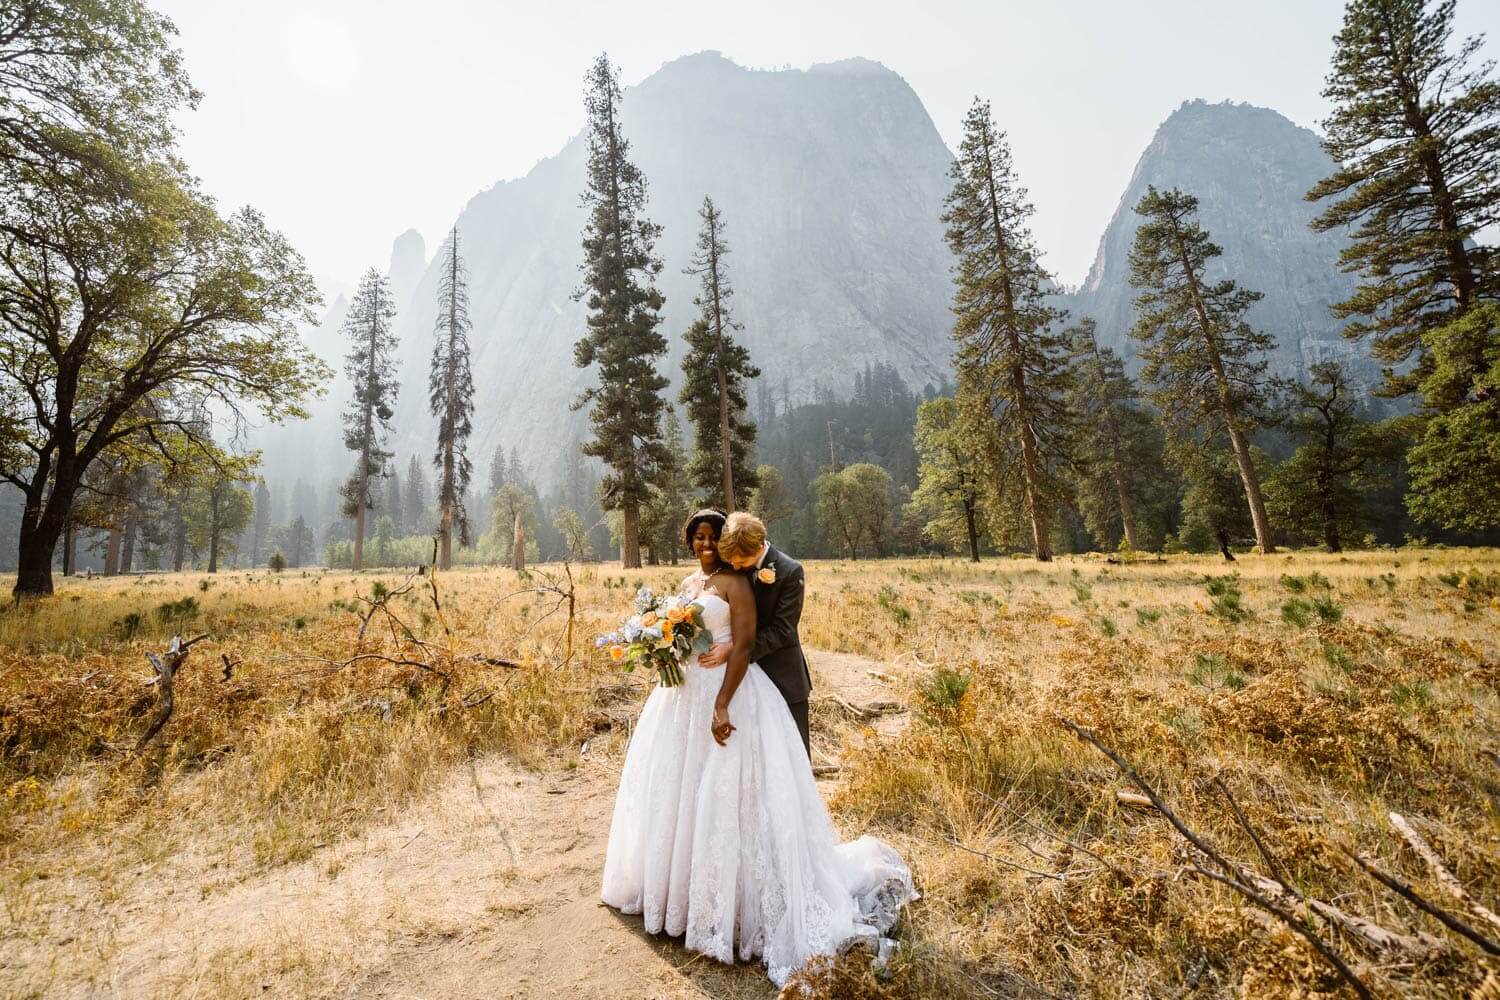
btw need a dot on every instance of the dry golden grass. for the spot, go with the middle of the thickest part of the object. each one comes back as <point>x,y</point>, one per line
<point>1374,691</point>
<point>1379,695</point>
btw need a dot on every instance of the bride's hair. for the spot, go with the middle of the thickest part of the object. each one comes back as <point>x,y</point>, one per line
<point>712,515</point>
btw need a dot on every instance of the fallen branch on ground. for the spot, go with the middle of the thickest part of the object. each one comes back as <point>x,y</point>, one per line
<point>1409,894</point>
<point>1440,871</point>
<point>1229,874</point>
<point>870,710</point>
<point>166,667</point>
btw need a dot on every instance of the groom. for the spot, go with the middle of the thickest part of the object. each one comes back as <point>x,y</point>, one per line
<point>776,581</point>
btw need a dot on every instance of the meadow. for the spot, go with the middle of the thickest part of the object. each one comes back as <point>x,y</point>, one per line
<point>1282,707</point>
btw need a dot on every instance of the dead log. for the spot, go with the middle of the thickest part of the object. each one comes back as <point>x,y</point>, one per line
<point>166,667</point>
<point>869,710</point>
<point>1440,871</point>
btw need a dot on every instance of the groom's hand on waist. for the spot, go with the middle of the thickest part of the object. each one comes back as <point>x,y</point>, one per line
<point>715,656</point>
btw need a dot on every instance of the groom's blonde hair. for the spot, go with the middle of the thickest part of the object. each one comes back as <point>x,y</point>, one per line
<point>743,535</point>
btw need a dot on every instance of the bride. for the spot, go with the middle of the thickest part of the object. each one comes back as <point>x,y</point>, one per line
<point>719,834</point>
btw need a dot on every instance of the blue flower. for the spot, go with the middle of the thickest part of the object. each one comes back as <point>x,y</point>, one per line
<point>644,600</point>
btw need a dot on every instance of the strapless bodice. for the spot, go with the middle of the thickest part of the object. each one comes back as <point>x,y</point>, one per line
<point>715,616</point>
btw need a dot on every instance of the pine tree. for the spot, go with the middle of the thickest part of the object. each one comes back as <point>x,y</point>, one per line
<point>298,542</point>
<point>672,501</point>
<point>1416,131</point>
<point>395,502</point>
<point>1320,490</point>
<point>1116,440</point>
<point>451,395</point>
<point>498,470</point>
<point>371,367</point>
<point>1456,464</point>
<point>1205,365</point>
<point>260,529</point>
<point>715,370</point>
<point>1011,371</point>
<point>415,501</point>
<point>620,266</point>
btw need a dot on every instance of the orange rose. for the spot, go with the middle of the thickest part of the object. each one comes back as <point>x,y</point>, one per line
<point>649,619</point>
<point>617,652</point>
<point>766,575</point>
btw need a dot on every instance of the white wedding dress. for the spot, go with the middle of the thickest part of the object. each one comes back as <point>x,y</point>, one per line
<point>731,847</point>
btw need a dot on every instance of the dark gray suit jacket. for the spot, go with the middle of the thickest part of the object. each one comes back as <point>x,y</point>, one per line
<point>778,610</point>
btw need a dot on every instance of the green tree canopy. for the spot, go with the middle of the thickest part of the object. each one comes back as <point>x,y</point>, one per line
<point>948,496</point>
<point>1415,129</point>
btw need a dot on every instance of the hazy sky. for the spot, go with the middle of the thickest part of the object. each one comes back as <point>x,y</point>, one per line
<point>348,121</point>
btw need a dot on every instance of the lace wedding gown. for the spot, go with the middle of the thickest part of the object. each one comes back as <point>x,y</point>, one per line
<point>731,847</point>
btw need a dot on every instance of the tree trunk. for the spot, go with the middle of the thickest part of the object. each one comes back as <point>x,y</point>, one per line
<point>973,530</point>
<point>358,559</point>
<point>1231,417</point>
<point>1127,518</point>
<point>1040,531</point>
<point>70,548</point>
<point>726,453</point>
<point>445,543</point>
<point>630,537</point>
<point>518,544</point>
<point>213,534</point>
<point>1224,545</point>
<point>34,564</point>
<point>112,552</point>
<point>1252,489</point>
<point>127,552</point>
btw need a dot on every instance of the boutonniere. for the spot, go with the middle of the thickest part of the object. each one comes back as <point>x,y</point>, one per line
<point>766,575</point>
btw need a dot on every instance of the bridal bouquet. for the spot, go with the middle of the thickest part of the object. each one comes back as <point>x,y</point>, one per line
<point>663,632</point>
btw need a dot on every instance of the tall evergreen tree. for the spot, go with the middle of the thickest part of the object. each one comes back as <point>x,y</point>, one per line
<point>371,367</point>
<point>1415,130</point>
<point>1011,369</point>
<point>395,502</point>
<point>1320,490</point>
<point>620,267</point>
<point>451,394</point>
<point>499,470</point>
<point>1204,363</point>
<point>715,370</point>
<point>672,501</point>
<point>1115,441</point>
<point>415,500</point>
<point>1455,466</point>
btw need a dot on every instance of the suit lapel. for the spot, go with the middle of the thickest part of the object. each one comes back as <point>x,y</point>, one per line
<point>763,591</point>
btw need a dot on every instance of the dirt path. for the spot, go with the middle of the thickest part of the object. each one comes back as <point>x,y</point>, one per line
<point>487,887</point>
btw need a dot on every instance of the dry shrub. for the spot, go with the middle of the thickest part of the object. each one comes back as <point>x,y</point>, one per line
<point>910,974</point>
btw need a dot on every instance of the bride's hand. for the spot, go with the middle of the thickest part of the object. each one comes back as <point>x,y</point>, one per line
<point>721,726</point>
<point>715,656</point>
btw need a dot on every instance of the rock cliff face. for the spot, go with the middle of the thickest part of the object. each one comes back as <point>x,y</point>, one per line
<point>831,182</point>
<point>1249,168</point>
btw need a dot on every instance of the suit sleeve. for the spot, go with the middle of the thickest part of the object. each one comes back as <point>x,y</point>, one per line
<point>781,630</point>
